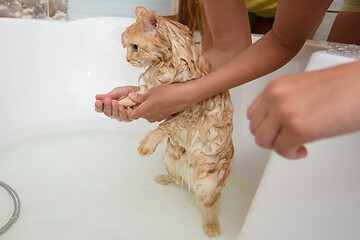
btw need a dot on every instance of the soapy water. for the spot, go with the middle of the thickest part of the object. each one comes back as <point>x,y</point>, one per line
<point>94,185</point>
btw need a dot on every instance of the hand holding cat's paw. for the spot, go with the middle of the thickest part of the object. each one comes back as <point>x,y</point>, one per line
<point>119,112</point>
<point>126,102</point>
<point>108,103</point>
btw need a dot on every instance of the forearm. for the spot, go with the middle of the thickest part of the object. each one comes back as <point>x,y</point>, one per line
<point>228,33</point>
<point>219,57</point>
<point>263,57</point>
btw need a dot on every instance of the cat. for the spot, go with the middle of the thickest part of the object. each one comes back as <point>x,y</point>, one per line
<point>199,150</point>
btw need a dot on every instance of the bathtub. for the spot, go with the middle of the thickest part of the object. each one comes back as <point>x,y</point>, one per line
<point>78,174</point>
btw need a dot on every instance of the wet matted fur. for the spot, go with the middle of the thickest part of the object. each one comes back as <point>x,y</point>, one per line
<point>199,145</point>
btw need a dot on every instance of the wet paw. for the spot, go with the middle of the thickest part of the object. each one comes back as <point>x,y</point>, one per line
<point>146,148</point>
<point>212,229</point>
<point>164,179</point>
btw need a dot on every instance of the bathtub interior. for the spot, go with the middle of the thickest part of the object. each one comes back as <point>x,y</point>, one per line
<point>65,160</point>
<point>51,72</point>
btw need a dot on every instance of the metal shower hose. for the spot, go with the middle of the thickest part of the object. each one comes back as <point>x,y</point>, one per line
<point>16,210</point>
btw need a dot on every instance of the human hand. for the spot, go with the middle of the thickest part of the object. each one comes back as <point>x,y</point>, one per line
<point>297,109</point>
<point>108,103</point>
<point>161,102</point>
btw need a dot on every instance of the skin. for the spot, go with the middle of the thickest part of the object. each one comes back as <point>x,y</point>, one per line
<point>237,62</point>
<point>345,28</point>
<point>108,103</point>
<point>297,109</point>
<point>280,45</point>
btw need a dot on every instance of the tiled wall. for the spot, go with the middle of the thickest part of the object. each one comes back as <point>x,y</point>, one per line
<point>324,28</point>
<point>119,8</point>
<point>76,9</point>
<point>40,9</point>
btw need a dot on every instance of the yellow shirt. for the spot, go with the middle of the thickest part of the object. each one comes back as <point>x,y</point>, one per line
<point>262,8</point>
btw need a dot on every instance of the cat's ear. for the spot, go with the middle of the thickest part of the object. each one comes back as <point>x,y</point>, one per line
<point>140,11</point>
<point>151,20</point>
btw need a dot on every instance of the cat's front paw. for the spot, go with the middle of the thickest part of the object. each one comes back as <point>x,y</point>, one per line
<point>126,102</point>
<point>146,147</point>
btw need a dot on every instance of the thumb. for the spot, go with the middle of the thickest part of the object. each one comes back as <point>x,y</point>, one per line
<point>137,97</point>
<point>134,113</point>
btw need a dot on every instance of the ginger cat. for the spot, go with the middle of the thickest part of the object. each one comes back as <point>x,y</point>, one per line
<point>199,145</point>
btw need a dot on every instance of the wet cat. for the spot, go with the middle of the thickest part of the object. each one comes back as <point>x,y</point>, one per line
<point>199,145</point>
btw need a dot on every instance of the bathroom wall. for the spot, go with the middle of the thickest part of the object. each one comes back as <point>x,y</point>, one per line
<point>76,9</point>
<point>38,9</point>
<point>115,8</point>
<point>325,26</point>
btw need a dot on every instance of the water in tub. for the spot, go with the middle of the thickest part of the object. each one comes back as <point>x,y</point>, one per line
<point>94,185</point>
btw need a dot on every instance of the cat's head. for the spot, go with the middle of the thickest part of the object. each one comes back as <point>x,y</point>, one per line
<point>145,45</point>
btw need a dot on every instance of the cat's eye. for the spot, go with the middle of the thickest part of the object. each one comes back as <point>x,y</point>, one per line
<point>135,47</point>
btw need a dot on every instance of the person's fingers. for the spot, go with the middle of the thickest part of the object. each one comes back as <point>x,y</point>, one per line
<point>256,121</point>
<point>256,114</point>
<point>107,107</point>
<point>102,97</point>
<point>119,112</point>
<point>117,93</point>
<point>99,105</point>
<point>253,106</point>
<point>287,147</point>
<point>141,111</point>
<point>137,97</point>
<point>266,133</point>
<point>301,152</point>
<point>123,115</point>
<point>115,109</point>
<point>135,113</point>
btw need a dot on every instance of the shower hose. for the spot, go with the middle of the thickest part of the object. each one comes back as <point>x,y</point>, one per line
<point>16,206</point>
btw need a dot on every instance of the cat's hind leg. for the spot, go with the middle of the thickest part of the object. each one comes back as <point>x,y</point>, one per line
<point>164,179</point>
<point>211,224</point>
<point>172,156</point>
<point>207,185</point>
<point>207,198</point>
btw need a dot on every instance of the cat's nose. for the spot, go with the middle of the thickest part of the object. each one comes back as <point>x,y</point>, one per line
<point>127,59</point>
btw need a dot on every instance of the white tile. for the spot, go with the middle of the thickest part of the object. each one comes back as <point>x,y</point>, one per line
<point>336,5</point>
<point>325,27</point>
<point>114,8</point>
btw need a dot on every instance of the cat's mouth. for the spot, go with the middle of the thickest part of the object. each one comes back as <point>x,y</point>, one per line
<point>137,63</point>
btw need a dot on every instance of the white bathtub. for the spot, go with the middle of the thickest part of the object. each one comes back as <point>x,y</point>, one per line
<point>71,168</point>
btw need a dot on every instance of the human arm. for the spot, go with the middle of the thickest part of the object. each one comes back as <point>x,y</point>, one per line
<point>345,28</point>
<point>297,109</point>
<point>225,35</point>
<point>293,22</point>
